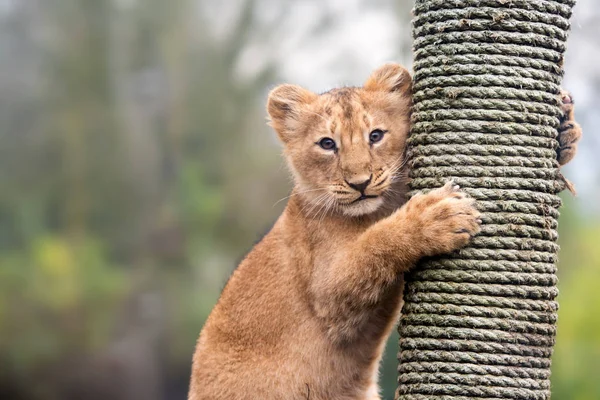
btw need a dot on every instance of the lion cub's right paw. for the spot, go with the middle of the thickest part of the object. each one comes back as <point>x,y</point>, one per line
<point>446,219</point>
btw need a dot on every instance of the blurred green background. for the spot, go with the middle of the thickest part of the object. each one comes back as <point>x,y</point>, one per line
<point>136,169</point>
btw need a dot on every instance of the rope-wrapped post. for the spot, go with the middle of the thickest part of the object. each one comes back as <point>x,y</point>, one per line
<point>481,323</point>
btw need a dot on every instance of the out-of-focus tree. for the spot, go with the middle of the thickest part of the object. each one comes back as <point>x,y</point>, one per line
<point>126,138</point>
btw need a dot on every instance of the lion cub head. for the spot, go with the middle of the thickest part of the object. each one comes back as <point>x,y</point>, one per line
<point>345,147</point>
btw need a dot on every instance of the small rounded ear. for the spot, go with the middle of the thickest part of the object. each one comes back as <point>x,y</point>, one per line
<point>390,78</point>
<point>284,107</point>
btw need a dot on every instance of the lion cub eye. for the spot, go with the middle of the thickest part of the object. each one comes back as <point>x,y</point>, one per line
<point>327,143</point>
<point>376,135</point>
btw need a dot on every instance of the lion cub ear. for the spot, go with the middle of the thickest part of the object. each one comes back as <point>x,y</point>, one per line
<point>390,78</point>
<point>285,105</point>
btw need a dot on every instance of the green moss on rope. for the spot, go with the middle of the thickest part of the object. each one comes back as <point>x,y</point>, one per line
<point>480,323</point>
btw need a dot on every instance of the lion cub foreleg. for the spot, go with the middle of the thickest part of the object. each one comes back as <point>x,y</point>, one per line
<point>365,275</point>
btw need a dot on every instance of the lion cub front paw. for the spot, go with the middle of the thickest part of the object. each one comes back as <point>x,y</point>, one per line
<point>446,219</point>
<point>569,132</point>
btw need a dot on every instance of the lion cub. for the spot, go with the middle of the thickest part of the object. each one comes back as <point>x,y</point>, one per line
<point>307,313</point>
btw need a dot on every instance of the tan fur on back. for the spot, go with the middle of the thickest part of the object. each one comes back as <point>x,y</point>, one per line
<point>307,313</point>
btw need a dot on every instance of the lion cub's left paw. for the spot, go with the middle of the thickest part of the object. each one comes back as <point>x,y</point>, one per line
<point>569,132</point>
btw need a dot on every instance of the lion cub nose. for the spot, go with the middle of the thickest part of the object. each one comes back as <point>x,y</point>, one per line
<point>359,184</point>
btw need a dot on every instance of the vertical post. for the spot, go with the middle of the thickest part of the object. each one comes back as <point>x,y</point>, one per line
<point>480,323</point>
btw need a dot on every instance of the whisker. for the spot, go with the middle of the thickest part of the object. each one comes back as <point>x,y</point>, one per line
<point>317,210</point>
<point>393,192</point>
<point>317,203</point>
<point>381,182</point>
<point>309,204</point>
<point>404,162</point>
<point>296,193</point>
<point>328,206</point>
<point>321,208</point>
<point>400,174</point>
<point>398,165</point>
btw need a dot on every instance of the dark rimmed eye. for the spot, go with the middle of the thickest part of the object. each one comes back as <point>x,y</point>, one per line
<point>327,143</point>
<point>376,135</point>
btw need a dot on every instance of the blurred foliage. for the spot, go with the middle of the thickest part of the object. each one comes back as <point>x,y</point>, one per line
<point>576,359</point>
<point>136,170</point>
<point>122,154</point>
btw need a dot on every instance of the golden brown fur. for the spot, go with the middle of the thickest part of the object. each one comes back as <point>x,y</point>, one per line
<point>307,313</point>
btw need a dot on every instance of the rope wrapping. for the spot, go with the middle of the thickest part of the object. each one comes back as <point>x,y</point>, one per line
<point>481,323</point>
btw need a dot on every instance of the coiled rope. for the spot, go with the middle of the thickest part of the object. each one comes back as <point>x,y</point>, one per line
<point>480,323</point>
